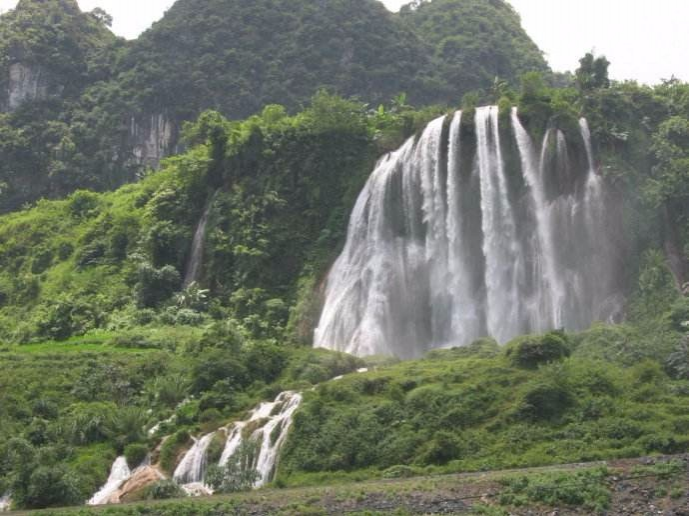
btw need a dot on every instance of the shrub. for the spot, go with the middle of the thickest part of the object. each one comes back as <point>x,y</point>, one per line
<point>66,317</point>
<point>216,366</point>
<point>584,488</point>
<point>238,474</point>
<point>83,203</point>
<point>43,258</point>
<point>135,454</point>
<point>679,315</point>
<point>164,490</point>
<point>91,254</point>
<point>677,362</point>
<point>529,352</point>
<point>64,250</point>
<point>156,285</point>
<point>544,400</point>
<point>51,486</point>
<point>209,415</point>
<point>171,448</point>
<point>443,448</point>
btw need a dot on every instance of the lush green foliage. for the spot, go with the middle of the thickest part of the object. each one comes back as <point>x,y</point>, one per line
<point>459,410</point>
<point>474,43</point>
<point>584,489</point>
<point>237,474</point>
<point>67,410</point>
<point>43,143</point>
<point>234,57</point>
<point>278,189</point>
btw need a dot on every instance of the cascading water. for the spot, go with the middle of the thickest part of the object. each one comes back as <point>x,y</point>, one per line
<point>119,473</point>
<point>193,269</point>
<point>268,419</point>
<point>451,240</point>
<point>5,503</point>
<point>270,424</point>
<point>192,468</point>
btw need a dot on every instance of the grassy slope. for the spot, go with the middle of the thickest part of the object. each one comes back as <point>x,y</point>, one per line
<point>462,411</point>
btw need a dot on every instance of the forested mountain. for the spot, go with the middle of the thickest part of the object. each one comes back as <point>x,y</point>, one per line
<point>111,109</point>
<point>473,42</point>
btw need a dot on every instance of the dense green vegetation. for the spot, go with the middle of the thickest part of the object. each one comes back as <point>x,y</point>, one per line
<point>474,43</point>
<point>44,143</point>
<point>230,56</point>
<point>67,410</point>
<point>99,340</point>
<point>481,408</point>
<point>280,189</point>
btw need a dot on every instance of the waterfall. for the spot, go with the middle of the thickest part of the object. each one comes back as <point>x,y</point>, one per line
<point>455,237</point>
<point>119,473</point>
<point>269,426</point>
<point>197,246</point>
<point>272,422</point>
<point>5,503</point>
<point>192,468</point>
<point>547,298</point>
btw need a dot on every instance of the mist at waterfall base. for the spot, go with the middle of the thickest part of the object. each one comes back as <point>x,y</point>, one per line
<point>469,231</point>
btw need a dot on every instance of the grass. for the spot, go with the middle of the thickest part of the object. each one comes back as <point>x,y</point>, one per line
<point>496,493</point>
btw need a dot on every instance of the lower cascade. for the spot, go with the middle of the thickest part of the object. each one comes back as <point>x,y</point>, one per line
<point>259,429</point>
<point>5,503</point>
<point>465,233</point>
<point>119,474</point>
<point>266,429</point>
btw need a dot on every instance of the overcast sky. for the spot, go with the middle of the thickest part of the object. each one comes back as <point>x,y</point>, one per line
<point>645,40</point>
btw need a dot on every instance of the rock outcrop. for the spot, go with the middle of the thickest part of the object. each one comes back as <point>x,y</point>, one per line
<point>140,480</point>
<point>26,84</point>
<point>151,139</point>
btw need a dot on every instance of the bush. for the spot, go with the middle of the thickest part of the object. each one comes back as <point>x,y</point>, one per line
<point>216,366</point>
<point>42,260</point>
<point>238,474</point>
<point>544,400</point>
<point>83,203</point>
<point>164,490</point>
<point>171,448</point>
<point>51,486</point>
<point>66,317</point>
<point>156,285</point>
<point>135,454</point>
<point>529,352</point>
<point>64,250</point>
<point>585,488</point>
<point>91,254</point>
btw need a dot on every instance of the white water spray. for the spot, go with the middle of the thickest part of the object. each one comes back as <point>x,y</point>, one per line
<point>119,474</point>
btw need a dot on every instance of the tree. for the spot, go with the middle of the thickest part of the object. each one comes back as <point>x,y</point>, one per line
<point>592,73</point>
<point>102,16</point>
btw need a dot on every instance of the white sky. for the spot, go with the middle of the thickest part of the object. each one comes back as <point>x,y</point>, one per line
<point>645,40</point>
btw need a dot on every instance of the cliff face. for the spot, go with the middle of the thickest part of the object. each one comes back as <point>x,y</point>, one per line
<point>26,84</point>
<point>150,139</point>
